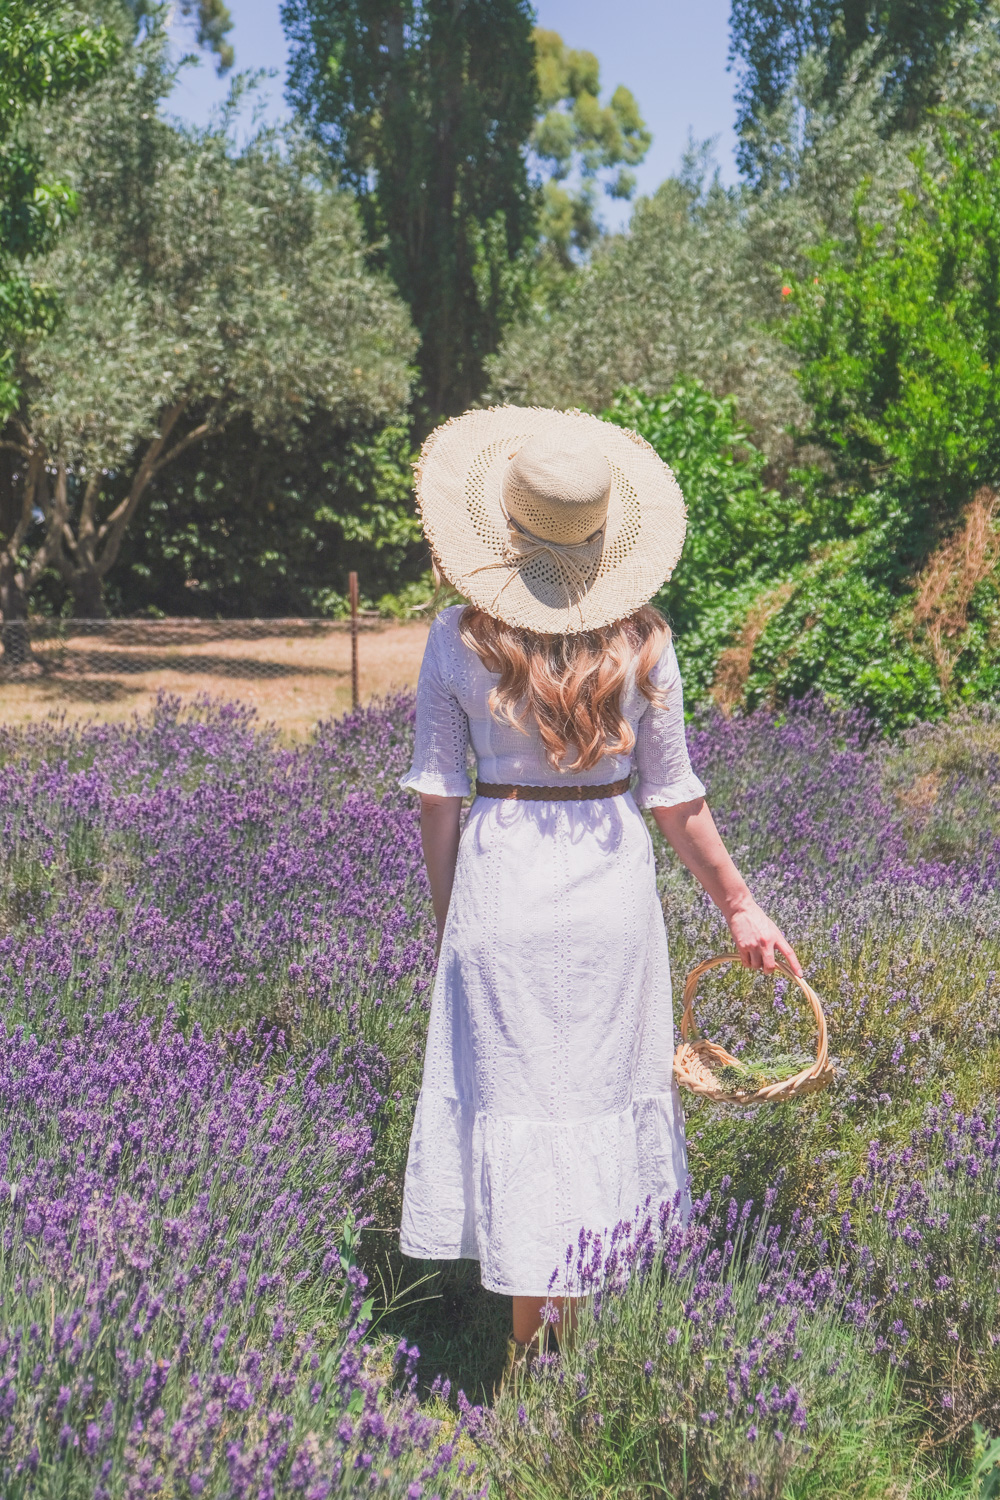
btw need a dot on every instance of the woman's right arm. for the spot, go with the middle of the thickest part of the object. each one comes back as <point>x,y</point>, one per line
<point>674,795</point>
<point>690,830</point>
<point>439,834</point>
<point>439,771</point>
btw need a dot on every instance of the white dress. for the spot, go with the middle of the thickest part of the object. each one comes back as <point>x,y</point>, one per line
<point>548,1103</point>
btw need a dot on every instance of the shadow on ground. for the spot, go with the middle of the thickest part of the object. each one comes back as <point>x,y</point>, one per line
<point>64,665</point>
<point>460,1329</point>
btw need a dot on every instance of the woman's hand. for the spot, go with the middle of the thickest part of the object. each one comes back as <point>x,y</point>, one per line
<point>759,940</point>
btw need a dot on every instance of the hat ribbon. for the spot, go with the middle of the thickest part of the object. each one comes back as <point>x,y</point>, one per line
<point>571,560</point>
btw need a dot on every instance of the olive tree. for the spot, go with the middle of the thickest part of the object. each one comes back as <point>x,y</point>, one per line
<point>201,283</point>
<point>42,58</point>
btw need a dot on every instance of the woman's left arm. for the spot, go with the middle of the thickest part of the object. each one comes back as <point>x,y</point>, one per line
<point>690,830</point>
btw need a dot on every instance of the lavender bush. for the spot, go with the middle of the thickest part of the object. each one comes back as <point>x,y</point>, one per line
<point>201,931</point>
<point>923,1230</point>
<point>900,936</point>
<point>903,949</point>
<point>216,955</point>
<point>715,1359</point>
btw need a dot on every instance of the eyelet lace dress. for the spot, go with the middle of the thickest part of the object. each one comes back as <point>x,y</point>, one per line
<point>548,1103</point>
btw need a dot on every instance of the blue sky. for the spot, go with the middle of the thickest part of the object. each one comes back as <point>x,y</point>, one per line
<point>670,53</point>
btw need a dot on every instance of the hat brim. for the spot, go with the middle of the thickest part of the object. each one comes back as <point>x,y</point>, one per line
<point>458,484</point>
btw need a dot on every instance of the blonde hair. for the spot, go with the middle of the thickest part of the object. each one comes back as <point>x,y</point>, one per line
<point>569,685</point>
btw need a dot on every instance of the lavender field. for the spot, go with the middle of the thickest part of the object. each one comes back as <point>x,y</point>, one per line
<point>216,956</point>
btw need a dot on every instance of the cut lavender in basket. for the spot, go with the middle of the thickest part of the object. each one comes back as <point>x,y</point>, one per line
<point>748,1075</point>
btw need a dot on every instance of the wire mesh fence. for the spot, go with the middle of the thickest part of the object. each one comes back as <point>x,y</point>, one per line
<point>294,672</point>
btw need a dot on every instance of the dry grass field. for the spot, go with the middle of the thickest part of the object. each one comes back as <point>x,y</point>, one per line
<point>293,672</point>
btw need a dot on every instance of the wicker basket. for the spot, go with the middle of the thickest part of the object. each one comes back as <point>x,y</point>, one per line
<point>695,1062</point>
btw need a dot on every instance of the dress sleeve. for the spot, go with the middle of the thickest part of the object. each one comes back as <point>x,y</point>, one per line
<point>661,754</point>
<point>442,739</point>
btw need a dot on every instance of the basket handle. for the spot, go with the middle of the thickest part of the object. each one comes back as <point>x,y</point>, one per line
<point>691,986</point>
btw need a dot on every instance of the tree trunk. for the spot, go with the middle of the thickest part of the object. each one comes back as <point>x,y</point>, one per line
<point>13,602</point>
<point>87,589</point>
<point>14,631</point>
<point>857,28</point>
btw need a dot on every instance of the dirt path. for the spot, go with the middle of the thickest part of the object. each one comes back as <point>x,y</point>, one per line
<point>293,672</point>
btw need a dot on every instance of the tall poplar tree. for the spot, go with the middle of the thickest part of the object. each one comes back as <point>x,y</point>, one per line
<point>425,108</point>
<point>210,20</point>
<point>909,40</point>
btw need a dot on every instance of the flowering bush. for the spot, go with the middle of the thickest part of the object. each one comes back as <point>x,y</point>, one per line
<point>216,954</point>
<point>924,1231</point>
<point>179,1299</point>
<point>715,1359</point>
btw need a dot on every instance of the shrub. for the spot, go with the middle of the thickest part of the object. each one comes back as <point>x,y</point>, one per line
<point>217,950</point>
<point>743,535</point>
<point>780,593</point>
<point>718,1359</point>
<point>896,330</point>
<point>897,333</point>
<point>924,1229</point>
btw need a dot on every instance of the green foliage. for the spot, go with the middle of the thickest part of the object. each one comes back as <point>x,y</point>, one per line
<point>684,293</point>
<point>743,535</point>
<point>899,337</point>
<point>259,524</point>
<point>785,591</point>
<point>211,20</point>
<point>694,287</point>
<point>267,310</point>
<point>898,334</point>
<point>40,61</point>
<point>424,110</point>
<point>987,1470</point>
<point>575,132</point>
<point>909,42</point>
<point>836,633</point>
<point>739,527</point>
<point>838,541</point>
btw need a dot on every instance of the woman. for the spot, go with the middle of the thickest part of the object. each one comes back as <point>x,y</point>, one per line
<point>548,1103</point>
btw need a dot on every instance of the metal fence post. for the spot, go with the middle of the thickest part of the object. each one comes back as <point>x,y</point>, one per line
<point>352,589</point>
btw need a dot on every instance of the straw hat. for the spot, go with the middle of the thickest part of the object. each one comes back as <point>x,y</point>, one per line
<point>553,521</point>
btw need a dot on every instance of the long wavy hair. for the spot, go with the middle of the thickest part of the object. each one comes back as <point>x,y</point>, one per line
<point>569,685</point>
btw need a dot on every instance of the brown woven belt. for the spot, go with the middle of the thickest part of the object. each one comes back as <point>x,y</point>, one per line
<point>553,793</point>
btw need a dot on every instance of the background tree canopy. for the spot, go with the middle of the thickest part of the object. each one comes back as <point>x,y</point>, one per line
<point>203,285</point>
<point>41,60</point>
<point>424,110</point>
<point>844,299</point>
<point>907,41</point>
<point>210,21</point>
<point>221,417</point>
<point>575,131</point>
